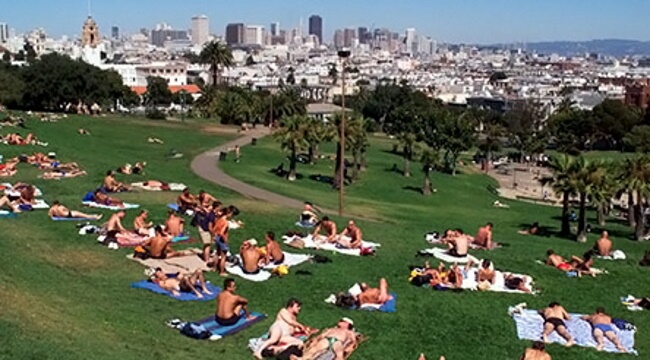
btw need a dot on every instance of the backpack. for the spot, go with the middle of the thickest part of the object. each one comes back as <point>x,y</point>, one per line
<point>195,331</point>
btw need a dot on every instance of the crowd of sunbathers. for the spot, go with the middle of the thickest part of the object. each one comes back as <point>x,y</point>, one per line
<point>17,139</point>
<point>459,243</point>
<point>52,167</point>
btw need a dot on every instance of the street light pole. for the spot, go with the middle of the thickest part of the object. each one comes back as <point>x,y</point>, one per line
<point>343,55</point>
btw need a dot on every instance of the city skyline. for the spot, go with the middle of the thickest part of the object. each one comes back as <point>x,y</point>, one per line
<point>472,21</point>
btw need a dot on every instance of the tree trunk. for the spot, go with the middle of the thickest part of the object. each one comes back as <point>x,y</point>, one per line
<point>582,223</point>
<point>601,214</point>
<point>639,229</point>
<point>566,226</point>
<point>363,164</point>
<point>631,219</point>
<point>355,164</point>
<point>311,154</point>
<point>426,189</point>
<point>407,167</point>
<point>292,165</point>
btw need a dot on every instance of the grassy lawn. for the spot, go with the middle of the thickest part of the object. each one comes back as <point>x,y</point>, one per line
<point>65,297</point>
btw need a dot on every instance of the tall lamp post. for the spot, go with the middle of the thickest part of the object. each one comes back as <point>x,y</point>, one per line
<point>343,55</point>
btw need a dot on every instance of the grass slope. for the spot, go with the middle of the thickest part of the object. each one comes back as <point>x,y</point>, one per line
<point>65,297</point>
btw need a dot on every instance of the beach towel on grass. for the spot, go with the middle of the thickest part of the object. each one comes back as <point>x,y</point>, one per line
<point>219,331</point>
<point>9,190</point>
<point>290,259</point>
<point>172,187</point>
<point>56,218</point>
<point>388,306</point>
<point>530,325</point>
<point>263,275</point>
<point>39,204</point>
<point>126,206</point>
<point>310,244</point>
<point>628,302</point>
<point>4,214</point>
<point>616,255</point>
<point>469,282</point>
<point>188,263</point>
<point>184,296</point>
<point>441,254</point>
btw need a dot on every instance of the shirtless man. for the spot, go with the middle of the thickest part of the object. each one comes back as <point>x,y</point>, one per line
<point>603,246</point>
<point>354,234</point>
<point>485,276</point>
<point>250,257</point>
<point>58,210</point>
<point>602,326</point>
<point>230,305</point>
<point>536,352</point>
<point>101,198</point>
<point>6,202</point>
<point>186,201</point>
<point>174,224</point>
<point>308,216</point>
<point>114,227</point>
<point>181,283</point>
<point>458,244</point>
<point>159,245</point>
<point>554,316</point>
<point>204,199</point>
<point>111,184</point>
<point>204,218</point>
<point>483,238</point>
<point>513,282</point>
<point>285,325</point>
<point>374,295</point>
<point>274,252</point>
<point>340,339</point>
<point>220,231</point>
<point>328,226</point>
<point>558,261</point>
<point>140,224</point>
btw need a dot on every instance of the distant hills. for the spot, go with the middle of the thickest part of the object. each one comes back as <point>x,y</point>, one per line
<point>612,47</point>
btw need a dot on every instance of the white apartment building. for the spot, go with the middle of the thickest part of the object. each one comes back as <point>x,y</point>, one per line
<point>135,75</point>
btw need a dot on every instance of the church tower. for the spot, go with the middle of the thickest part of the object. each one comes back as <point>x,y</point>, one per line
<point>90,33</point>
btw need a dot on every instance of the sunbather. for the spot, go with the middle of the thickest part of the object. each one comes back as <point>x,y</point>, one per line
<point>603,326</point>
<point>458,244</point>
<point>554,316</point>
<point>282,330</point>
<point>558,261</point>
<point>483,238</point>
<point>272,252</point>
<point>128,169</point>
<point>230,305</point>
<point>220,231</point>
<point>513,282</point>
<point>183,282</point>
<point>186,201</point>
<point>374,295</point>
<point>114,226</point>
<point>328,226</point>
<point>27,195</point>
<point>8,169</point>
<point>71,166</point>
<point>485,276</point>
<point>353,233</point>
<point>112,185</point>
<point>5,202</point>
<point>251,257</point>
<point>308,216</point>
<point>159,245</point>
<point>583,265</point>
<point>140,224</point>
<point>204,199</point>
<point>603,246</point>
<point>81,131</point>
<point>340,340</point>
<point>641,302</point>
<point>532,230</point>
<point>536,352</point>
<point>174,224</point>
<point>101,198</point>
<point>58,210</point>
<point>63,174</point>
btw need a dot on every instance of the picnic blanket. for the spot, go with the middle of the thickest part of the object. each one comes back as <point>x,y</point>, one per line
<point>39,204</point>
<point>615,255</point>
<point>57,218</point>
<point>305,224</point>
<point>188,263</point>
<point>219,331</point>
<point>4,214</point>
<point>389,306</point>
<point>441,254</point>
<point>126,206</point>
<point>469,281</point>
<point>290,259</point>
<point>172,187</point>
<point>9,190</point>
<point>530,324</point>
<point>184,296</point>
<point>311,244</point>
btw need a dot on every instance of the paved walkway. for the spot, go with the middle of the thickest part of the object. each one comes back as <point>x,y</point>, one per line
<point>206,166</point>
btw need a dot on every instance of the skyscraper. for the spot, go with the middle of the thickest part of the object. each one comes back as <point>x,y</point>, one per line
<point>115,32</point>
<point>200,30</point>
<point>235,34</point>
<point>275,29</point>
<point>339,41</point>
<point>4,32</point>
<point>349,35</point>
<point>316,27</point>
<point>364,35</point>
<point>254,35</point>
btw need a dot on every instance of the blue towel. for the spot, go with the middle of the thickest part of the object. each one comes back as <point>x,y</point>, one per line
<point>180,238</point>
<point>174,207</point>
<point>70,219</point>
<point>90,196</point>
<point>148,285</point>
<point>8,215</point>
<point>211,325</point>
<point>388,307</point>
<point>305,225</point>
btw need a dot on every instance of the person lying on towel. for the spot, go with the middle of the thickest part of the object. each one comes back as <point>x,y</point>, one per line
<point>156,184</point>
<point>536,352</point>
<point>513,282</point>
<point>251,257</point>
<point>58,210</point>
<point>174,224</point>
<point>141,226</point>
<point>558,261</point>
<point>308,216</point>
<point>101,198</point>
<point>485,276</point>
<point>137,169</point>
<point>159,246</point>
<point>183,282</point>
<point>5,202</point>
<point>340,340</point>
<point>60,174</point>
<point>350,237</point>
<point>8,169</point>
<point>49,165</point>
<point>230,305</point>
<point>441,278</point>
<point>554,316</point>
<point>329,227</point>
<point>273,252</point>
<point>603,327</point>
<point>284,328</point>
<point>371,295</point>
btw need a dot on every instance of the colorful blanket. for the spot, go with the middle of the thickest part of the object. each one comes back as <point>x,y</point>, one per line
<point>219,331</point>
<point>184,296</point>
<point>125,206</point>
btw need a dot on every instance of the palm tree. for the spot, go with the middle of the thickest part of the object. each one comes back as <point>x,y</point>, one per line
<point>291,136</point>
<point>232,108</point>
<point>585,177</point>
<point>561,183</point>
<point>603,190</point>
<point>288,102</point>
<point>317,132</point>
<point>636,177</point>
<point>218,56</point>
<point>430,160</point>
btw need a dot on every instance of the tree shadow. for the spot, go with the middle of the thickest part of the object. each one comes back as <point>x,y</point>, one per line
<point>280,172</point>
<point>322,179</point>
<point>395,169</point>
<point>413,188</point>
<point>544,231</point>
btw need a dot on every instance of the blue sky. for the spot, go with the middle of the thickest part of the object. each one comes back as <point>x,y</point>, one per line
<point>470,21</point>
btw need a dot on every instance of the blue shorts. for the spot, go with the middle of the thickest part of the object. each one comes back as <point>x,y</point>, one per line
<point>221,245</point>
<point>604,327</point>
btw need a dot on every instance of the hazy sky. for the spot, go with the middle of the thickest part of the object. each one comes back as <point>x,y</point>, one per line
<point>470,21</point>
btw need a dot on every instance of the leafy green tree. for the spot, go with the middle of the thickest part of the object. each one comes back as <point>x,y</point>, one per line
<point>457,134</point>
<point>585,175</point>
<point>218,56</point>
<point>357,138</point>
<point>11,86</point>
<point>158,92</point>
<point>635,178</point>
<point>317,132</point>
<point>637,139</point>
<point>6,56</point>
<point>573,130</point>
<point>525,124</point>
<point>613,121</point>
<point>291,136</point>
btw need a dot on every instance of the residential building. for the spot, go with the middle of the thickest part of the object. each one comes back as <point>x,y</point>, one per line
<point>200,30</point>
<point>316,27</point>
<point>235,34</point>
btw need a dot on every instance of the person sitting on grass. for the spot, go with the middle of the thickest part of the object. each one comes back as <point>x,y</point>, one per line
<point>340,340</point>
<point>536,352</point>
<point>5,202</point>
<point>114,226</point>
<point>485,276</point>
<point>58,210</point>
<point>250,257</point>
<point>101,198</point>
<point>371,295</point>
<point>602,326</point>
<point>558,261</point>
<point>112,185</point>
<point>554,316</point>
<point>159,246</point>
<point>141,226</point>
<point>174,224</point>
<point>329,227</point>
<point>8,169</point>
<point>182,282</point>
<point>308,216</point>
<point>286,324</point>
<point>57,174</point>
<point>273,252</point>
<point>350,237</point>
<point>603,246</point>
<point>483,238</point>
<point>230,305</point>
<point>186,201</point>
<point>128,169</point>
<point>204,199</point>
<point>458,243</point>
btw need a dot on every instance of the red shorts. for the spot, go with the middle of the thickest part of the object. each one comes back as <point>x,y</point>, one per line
<point>564,266</point>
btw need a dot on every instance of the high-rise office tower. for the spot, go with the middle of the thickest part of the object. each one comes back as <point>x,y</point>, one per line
<point>200,30</point>
<point>115,32</point>
<point>349,35</point>
<point>275,29</point>
<point>339,41</point>
<point>364,35</point>
<point>254,35</point>
<point>316,27</point>
<point>235,34</point>
<point>4,32</point>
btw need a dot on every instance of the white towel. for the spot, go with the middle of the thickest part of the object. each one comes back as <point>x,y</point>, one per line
<point>10,191</point>
<point>111,207</point>
<point>311,244</point>
<point>263,275</point>
<point>469,281</point>
<point>441,254</point>
<point>40,205</point>
<point>172,186</point>
<point>290,260</point>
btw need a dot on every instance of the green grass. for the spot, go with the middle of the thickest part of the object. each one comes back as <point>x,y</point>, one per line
<point>65,297</point>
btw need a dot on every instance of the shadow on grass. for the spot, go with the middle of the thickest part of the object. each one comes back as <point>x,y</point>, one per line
<point>280,172</point>
<point>413,188</point>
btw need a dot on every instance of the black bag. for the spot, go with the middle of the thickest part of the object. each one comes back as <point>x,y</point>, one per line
<point>421,280</point>
<point>195,331</point>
